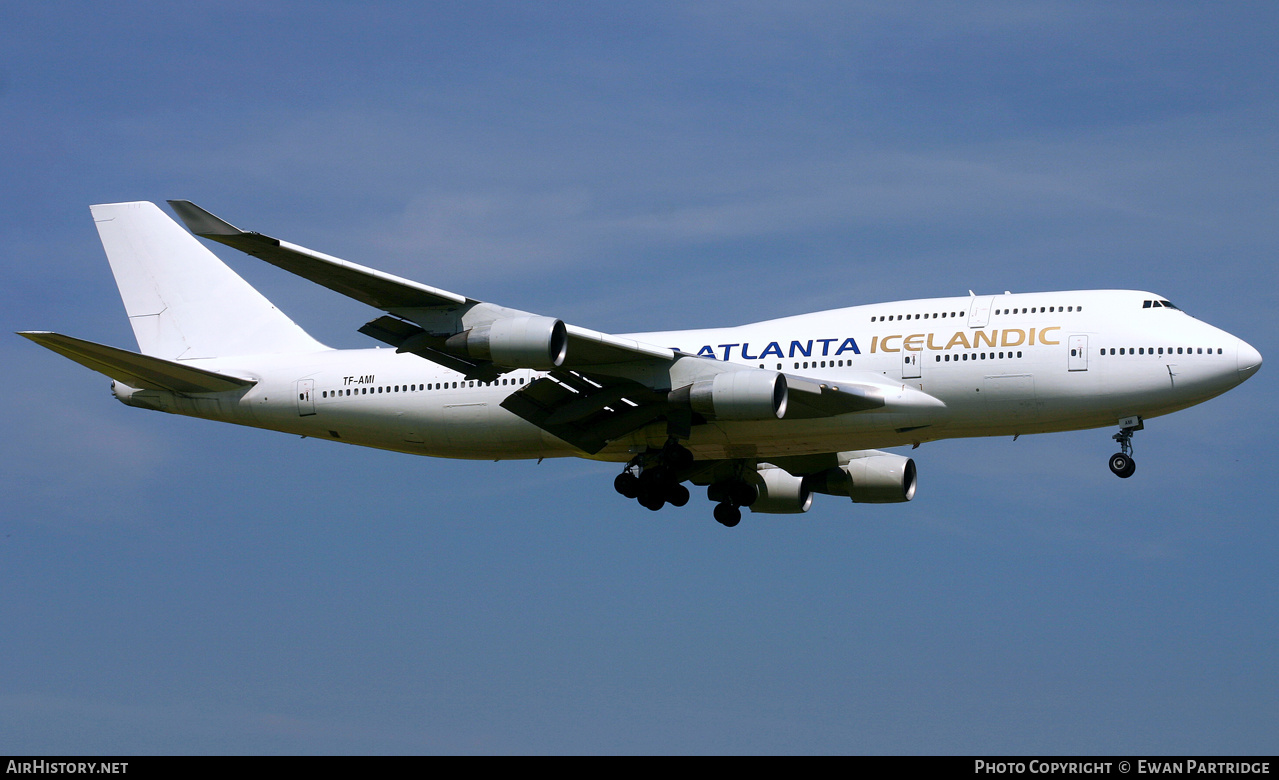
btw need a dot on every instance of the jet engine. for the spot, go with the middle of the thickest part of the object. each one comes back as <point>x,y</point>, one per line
<point>872,477</point>
<point>155,400</point>
<point>736,395</point>
<point>521,342</point>
<point>781,493</point>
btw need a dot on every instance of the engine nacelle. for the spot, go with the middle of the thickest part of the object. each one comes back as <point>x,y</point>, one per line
<point>879,478</point>
<point>736,395</point>
<point>521,342</point>
<point>780,493</point>
<point>155,400</point>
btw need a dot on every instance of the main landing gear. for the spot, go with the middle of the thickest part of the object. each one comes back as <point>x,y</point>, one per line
<point>1121,463</point>
<point>730,496</point>
<point>653,478</point>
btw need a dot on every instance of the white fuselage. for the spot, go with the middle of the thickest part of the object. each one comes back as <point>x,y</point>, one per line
<point>1001,365</point>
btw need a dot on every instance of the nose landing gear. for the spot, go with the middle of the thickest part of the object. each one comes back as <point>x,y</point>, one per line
<point>1121,463</point>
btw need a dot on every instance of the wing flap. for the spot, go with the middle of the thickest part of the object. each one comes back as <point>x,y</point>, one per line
<point>586,412</point>
<point>135,370</point>
<point>407,337</point>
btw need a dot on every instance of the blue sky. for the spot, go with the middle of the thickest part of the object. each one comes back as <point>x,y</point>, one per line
<point>170,585</point>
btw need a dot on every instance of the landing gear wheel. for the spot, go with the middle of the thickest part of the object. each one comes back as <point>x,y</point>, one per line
<point>727,515</point>
<point>1122,465</point>
<point>627,484</point>
<point>676,456</point>
<point>652,501</point>
<point>677,495</point>
<point>742,493</point>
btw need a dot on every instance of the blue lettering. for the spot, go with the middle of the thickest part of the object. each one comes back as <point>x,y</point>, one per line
<point>728,350</point>
<point>847,345</point>
<point>826,346</point>
<point>805,351</point>
<point>772,349</point>
<point>706,351</point>
<point>746,356</point>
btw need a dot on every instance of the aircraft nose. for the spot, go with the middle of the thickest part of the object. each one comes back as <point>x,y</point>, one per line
<point>1249,359</point>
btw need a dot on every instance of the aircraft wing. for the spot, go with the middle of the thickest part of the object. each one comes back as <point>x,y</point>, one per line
<point>435,312</point>
<point>597,387</point>
<point>367,285</point>
<point>588,410</point>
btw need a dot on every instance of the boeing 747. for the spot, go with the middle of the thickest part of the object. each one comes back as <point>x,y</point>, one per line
<point>763,415</point>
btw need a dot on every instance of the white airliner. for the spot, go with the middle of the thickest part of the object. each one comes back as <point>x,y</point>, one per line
<point>764,414</point>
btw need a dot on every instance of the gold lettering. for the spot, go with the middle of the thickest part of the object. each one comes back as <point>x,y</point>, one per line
<point>1044,332</point>
<point>980,335</point>
<point>1008,334</point>
<point>873,341</point>
<point>884,344</point>
<point>959,338</point>
<point>931,345</point>
<point>912,342</point>
<point>1031,342</point>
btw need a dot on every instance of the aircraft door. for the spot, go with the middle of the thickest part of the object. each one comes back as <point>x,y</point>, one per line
<point>979,310</point>
<point>306,397</point>
<point>1078,360</point>
<point>910,365</point>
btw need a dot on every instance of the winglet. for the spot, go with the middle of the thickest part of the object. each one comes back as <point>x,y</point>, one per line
<point>201,222</point>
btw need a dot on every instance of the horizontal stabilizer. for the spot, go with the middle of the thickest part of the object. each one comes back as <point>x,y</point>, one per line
<point>140,371</point>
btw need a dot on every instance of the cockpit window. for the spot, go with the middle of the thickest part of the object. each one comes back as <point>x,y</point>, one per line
<point>1161,304</point>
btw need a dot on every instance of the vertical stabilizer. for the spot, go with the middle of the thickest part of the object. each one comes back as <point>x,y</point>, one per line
<point>183,302</point>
